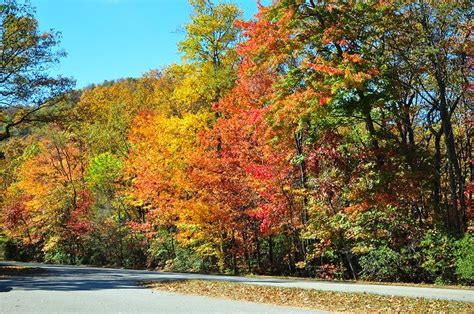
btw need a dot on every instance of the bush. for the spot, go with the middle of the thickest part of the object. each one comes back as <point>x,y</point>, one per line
<point>381,264</point>
<point>464,259</point>
<point>16,251</point>
<point>437,258</point>
<point>57,257</point>
<point>187,260</point>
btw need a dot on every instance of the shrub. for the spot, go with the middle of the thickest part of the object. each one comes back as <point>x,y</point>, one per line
<point>381,264</point>
<point>437,257</point>
<point>464,259</point>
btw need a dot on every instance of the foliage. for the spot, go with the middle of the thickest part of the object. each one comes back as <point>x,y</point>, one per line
<point>330,140</point>
<point>381,264</point>
<point>464,254</point>
<point>27,87</point>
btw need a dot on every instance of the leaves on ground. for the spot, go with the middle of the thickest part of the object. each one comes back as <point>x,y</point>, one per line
<point>312,299</point>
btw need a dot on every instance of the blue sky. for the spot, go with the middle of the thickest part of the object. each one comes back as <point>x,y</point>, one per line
<point>111,39</point>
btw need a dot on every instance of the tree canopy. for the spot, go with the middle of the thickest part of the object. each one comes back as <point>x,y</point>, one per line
<point>26,57</point>
<point>330,140</point>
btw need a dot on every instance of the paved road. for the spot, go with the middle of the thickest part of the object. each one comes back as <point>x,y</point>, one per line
<point>67,289</point>
<point>105,290</point>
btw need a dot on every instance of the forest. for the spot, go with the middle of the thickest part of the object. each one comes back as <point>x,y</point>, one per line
<point>317,139</point>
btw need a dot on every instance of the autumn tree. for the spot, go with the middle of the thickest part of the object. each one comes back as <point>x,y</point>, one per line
<point>435,59</point>
<point>208,52</point>
<point>359,135</point>
<point>331,140</point>
<point>50,201</point>
<point>27,58</point>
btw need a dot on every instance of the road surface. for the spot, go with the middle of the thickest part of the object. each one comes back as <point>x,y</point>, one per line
<point>105,290</point>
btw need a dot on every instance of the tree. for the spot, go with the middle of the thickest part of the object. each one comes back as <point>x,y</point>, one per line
<point>320,139</point>
<point>438,70</point>
<point>27,57</point>
<point>49,204</point>
<point>361,132</point>
<point>209,50</point>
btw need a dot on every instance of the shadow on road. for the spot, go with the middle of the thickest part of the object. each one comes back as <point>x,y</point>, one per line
<point>81,279</point>
<point>33,283</point>
<point>5,289</point>
<point>69,279</point>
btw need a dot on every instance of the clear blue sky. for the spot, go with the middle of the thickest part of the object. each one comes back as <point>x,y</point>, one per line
<point>111,39</point>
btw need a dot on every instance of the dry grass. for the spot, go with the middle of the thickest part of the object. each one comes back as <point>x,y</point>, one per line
<point>10,271</point>
<point>312,299</point>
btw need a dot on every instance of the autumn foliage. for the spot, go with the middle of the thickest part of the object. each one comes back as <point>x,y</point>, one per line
<point>323,140</point>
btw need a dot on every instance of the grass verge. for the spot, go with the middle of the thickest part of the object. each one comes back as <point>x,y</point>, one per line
<point>10,271</point>
<point>311,299</point>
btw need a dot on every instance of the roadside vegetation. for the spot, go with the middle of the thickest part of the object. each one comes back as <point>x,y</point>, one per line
<point>317,139</point>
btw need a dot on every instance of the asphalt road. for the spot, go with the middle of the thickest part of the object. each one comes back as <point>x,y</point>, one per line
<point>104,290</point>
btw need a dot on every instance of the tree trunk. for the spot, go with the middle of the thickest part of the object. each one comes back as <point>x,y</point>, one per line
<point>458,206</point>
<point>270,253</point>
